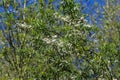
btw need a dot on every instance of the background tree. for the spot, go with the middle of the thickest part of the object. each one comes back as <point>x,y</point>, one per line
<point>108,39</point>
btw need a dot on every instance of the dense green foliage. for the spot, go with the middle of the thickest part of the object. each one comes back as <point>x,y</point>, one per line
<point>49,44</point>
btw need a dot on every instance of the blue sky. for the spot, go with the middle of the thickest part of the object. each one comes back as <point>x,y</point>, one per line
<point>89,8</point>
<point>89,5</point>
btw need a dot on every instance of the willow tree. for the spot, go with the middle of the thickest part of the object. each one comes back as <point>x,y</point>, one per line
<point>61,39</point>
<point>40,42</point>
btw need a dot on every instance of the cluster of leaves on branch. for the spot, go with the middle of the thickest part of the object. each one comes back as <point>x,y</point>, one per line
<point>42,43</point>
